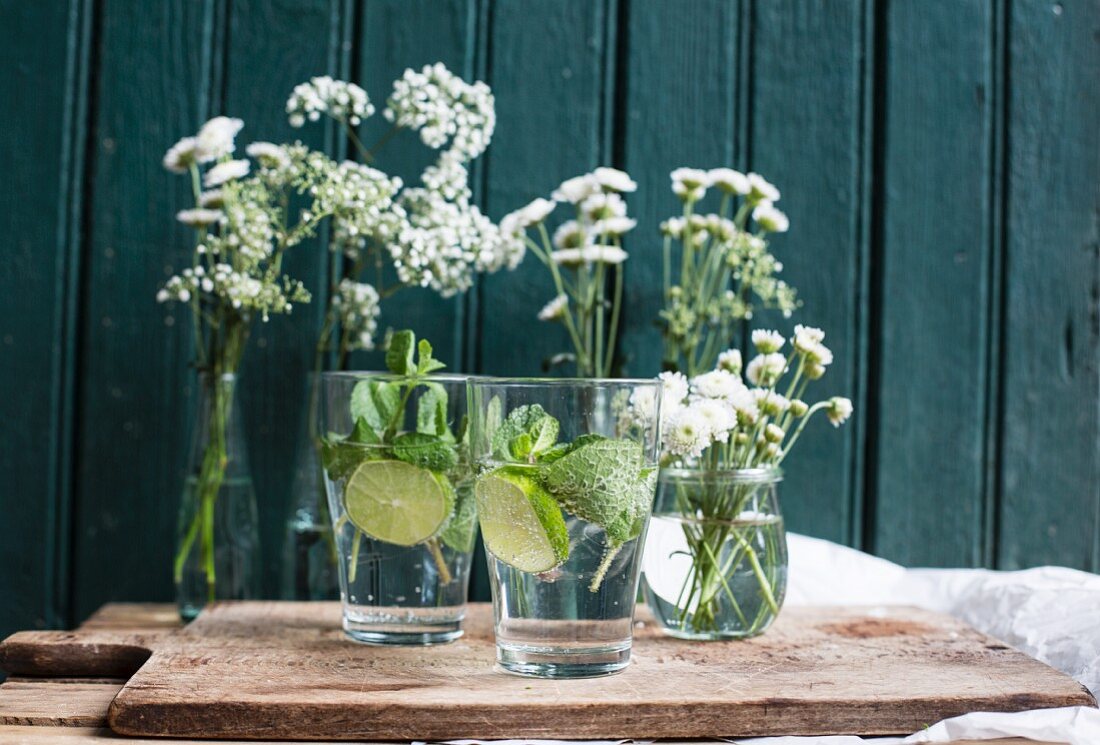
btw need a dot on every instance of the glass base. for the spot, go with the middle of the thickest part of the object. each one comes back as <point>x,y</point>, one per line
<point>536,662</point>
<point>402,635</point>
<point>712,636</point>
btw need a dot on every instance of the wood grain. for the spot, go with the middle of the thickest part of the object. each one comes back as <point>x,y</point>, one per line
<point>54,702</point>
<point>284,670</point>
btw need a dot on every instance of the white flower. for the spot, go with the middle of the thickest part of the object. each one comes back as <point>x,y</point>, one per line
<point>718,415</point>
<point>212,198</point>
<point>576,189</point>
<point>343,101</point>
<point>600,206</point>
<point>449,177</point>
<point>200,217</point>
<point>717,384</point>
<point>729,180</point>
<point>589,255</point>
<point>181,155</point>
<point>819,355</point>
<point>838,410</point>
<point>673,227</point>
<point>806,338</point>
<point>730,361</point>
<point>690,184</point>
<point>570,234</point>
<point>613,179</point>
<point>268,154</point>
<point>640,411</point>
<point>686,433</point>
<point>357,305</point>
<point>760,190</point>
<point>770,219</point>
<point>442,106</point>
<point>613,226</point>
<point>216,138</point>
<point>554,309</point>
<point>765,369</point>
<point>769,402</point>
<point>674,389</point>
<point>227,171</point>
<point>767,341</point>
<point>535,212</point>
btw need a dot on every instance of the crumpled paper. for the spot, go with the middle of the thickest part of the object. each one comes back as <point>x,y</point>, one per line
<point>1050,613</point>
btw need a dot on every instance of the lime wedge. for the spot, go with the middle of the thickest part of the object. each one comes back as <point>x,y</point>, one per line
<point>521,523</point>
<point>397,502</point>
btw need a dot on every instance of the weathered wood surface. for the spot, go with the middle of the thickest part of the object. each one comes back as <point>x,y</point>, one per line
<point>56,702</point>
<point>284,670</point>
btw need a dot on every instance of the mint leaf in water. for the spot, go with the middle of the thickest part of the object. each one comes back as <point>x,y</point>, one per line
<point>629,523</point>
<point>426,451</point>
<point>527,431</point>
<point>399,355</point>
<point>364,433</point>
<point>461,532</point>
<point>596,480</point>
<point>431,412</point>
<point>375,402</point>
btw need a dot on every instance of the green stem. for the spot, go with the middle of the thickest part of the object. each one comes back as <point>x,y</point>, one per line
<point>440,562</point>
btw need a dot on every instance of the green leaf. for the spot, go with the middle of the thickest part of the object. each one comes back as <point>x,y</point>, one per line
<point>597,480</point>
<point>426,451</point>
<point>461,532</point>
<point>364,433</point>
<point>425,364</point>
<point>554,453</point>
<point>376,402</point>
<point>340,457</point>
<point>399,356</point>
<point>431,412</point>
<point>527,431</point>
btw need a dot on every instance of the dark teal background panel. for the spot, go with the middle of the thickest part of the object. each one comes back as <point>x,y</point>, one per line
<point>939,159</point>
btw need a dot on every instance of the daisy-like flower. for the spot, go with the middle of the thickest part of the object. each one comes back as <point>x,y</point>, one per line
<point>570,234</point>
<point>838,410</point>
<point>686,433</point>
<point>761,190</point>
<point>212,198</point>
<point>718,384</point>
<point>268,154</point>
<point>765,369</point>
<point>612,179</point>
<point>767,341</point>
<point>343,101</point>
<point>533,213</point>
<point>603,205</point>
<point>200,217</point>
<point>718,415</point>
<point>770,219</point>
<point>730,361</point>
<point>769,402</point>
<point>728,180</point>
<point>690,184</point>
<point>554,309</point>
<point>181,156</point>
<point>589,255</point>
<point>799,408</point>
<point>674,389</point>
<point>223,172</point>
<point>820,355</point>
<point>673,227</point>
<point>806,338</point>
<point>575,190</point>
<point>614,226</point>
<point>217,138</point>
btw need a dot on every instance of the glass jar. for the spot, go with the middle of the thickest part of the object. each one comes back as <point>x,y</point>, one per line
<point>564,489</point>
<point>398,482</point>
<point>716,553</point>
<point>218,544</point>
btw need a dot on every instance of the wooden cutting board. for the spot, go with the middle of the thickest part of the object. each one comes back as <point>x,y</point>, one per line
<point>285,671</point>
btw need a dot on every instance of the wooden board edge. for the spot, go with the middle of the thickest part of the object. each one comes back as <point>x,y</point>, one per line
<point>65,653</point>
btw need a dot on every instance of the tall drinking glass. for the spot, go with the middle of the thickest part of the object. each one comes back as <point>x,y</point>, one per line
<point>399,489</point>
<point>566,475</point>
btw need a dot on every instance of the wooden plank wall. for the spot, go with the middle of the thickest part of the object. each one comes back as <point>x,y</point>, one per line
<point>939,160</point>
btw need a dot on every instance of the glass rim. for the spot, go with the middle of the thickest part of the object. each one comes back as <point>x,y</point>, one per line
<point>389,377</point>
<point>536,382</point>
<point>758,474</point>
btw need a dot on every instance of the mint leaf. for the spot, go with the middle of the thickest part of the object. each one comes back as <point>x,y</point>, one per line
<point>596,481</point>
<point>554,453</point>
<point>340,456</point>
<point>629,523</point>
<point>376,402</point>
<point>399,356</point>
<point>364,433</point>
<point>426,451</point>
<point>431,412</point>
<point>425,364</point>
<point>527,431</point>
<point>461,531</point>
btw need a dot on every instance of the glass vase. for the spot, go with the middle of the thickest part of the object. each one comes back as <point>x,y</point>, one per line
<point>218,545</point>
<point>716,553</point>
<point>564,491</point>
<point>398,482</point>
<point>309,547</point>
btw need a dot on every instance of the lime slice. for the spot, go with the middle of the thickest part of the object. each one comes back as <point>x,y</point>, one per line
<point>521,523</point>
<point>397,502</point>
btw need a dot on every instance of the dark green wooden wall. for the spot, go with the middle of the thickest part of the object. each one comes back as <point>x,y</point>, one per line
<point>940,161</point>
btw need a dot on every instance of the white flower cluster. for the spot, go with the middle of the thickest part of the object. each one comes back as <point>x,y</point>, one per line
<point>441,244</point>
<point>216,139</point>
<point>343,101</point>
<point>238,289</point>
<point>442,106</point>
<point>751,420</point>
<point>691,184</point>
<point>356,303</point>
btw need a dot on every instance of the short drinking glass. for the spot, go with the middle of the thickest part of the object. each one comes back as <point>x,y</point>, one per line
<point>566,475</point>
<point>398,483</point>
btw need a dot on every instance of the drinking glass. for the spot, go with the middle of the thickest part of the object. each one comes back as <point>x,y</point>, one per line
<point>398,483</point>
<point>566,476</point>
